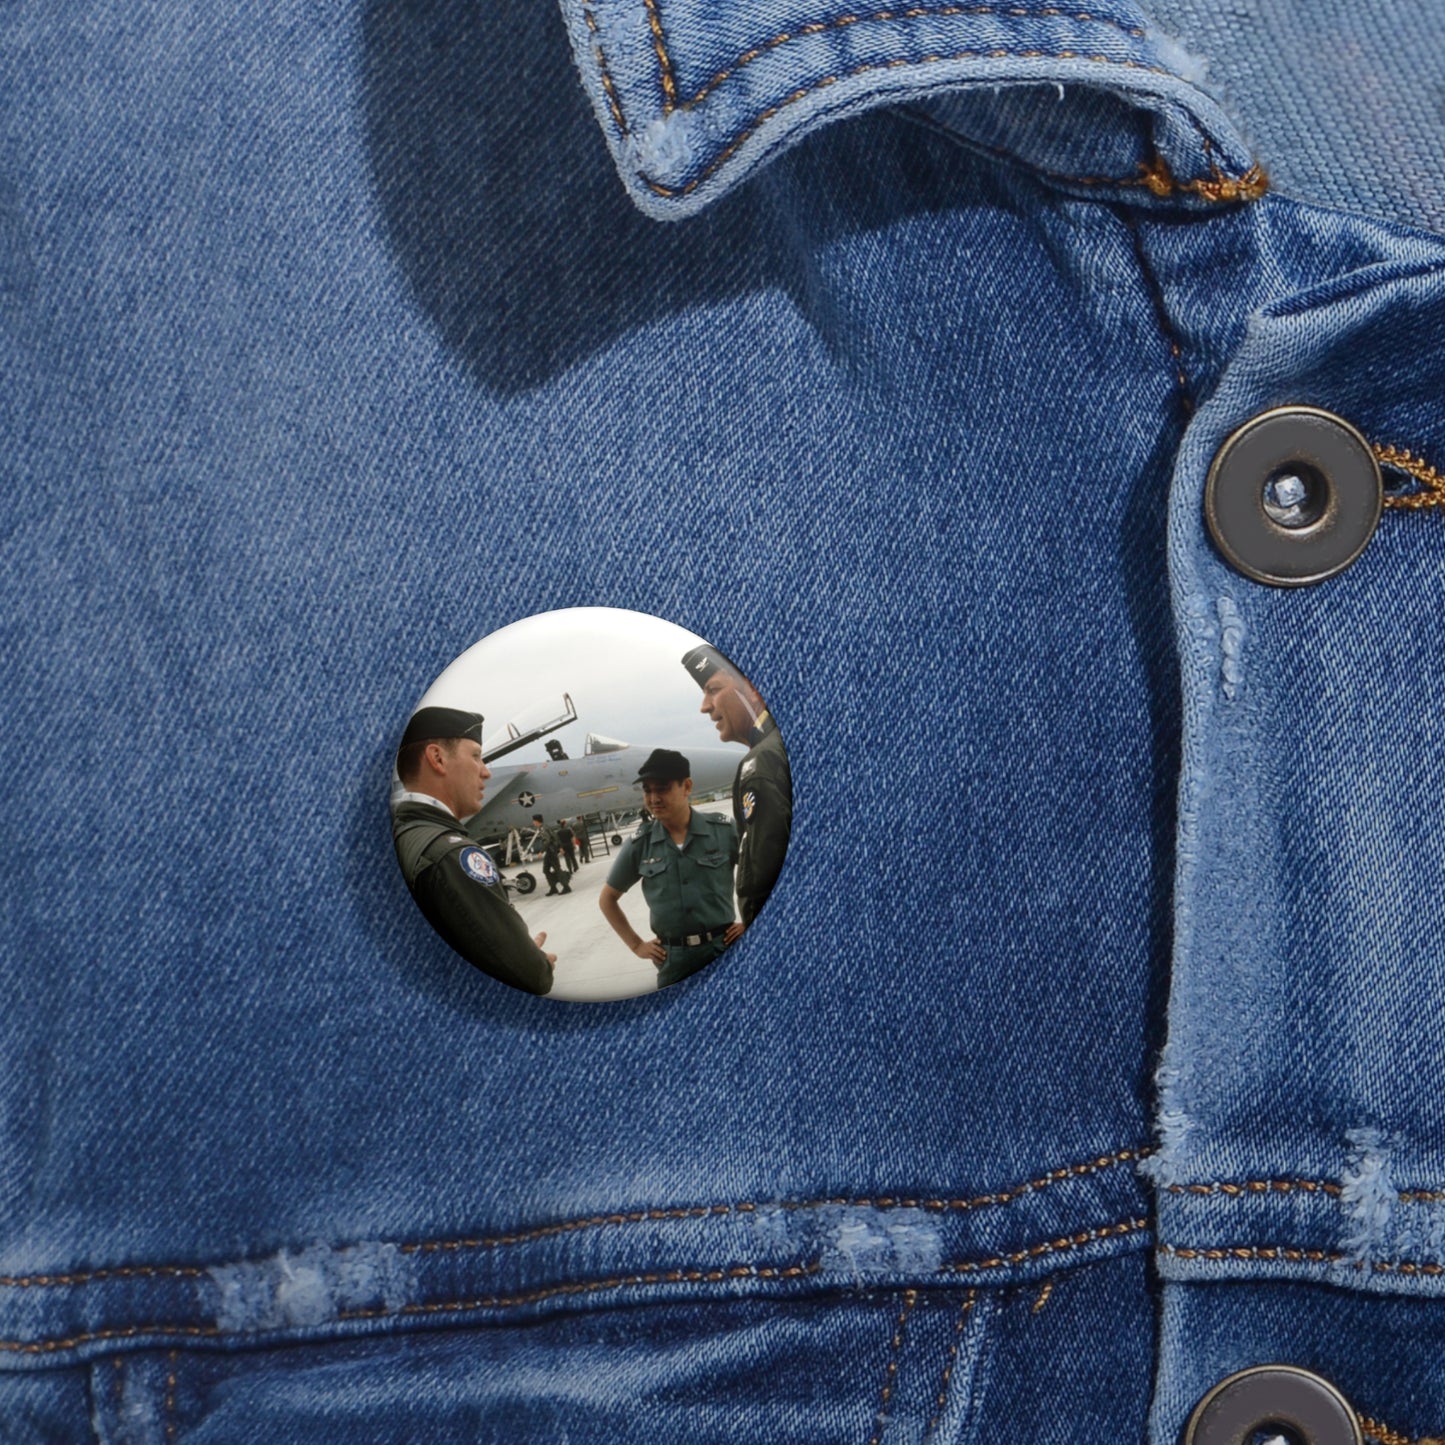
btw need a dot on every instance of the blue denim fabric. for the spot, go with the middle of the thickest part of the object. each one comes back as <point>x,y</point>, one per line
<point>332,343</point>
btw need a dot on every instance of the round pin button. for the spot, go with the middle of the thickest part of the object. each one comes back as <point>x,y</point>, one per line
<point>591,804</point>
<point>1293,496</point>
<point>1279,1399</point>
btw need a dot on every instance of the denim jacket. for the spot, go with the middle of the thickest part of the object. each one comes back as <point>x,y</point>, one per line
<point>331,342</point>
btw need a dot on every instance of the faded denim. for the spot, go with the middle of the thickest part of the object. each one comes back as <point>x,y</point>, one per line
<point>331,342</point>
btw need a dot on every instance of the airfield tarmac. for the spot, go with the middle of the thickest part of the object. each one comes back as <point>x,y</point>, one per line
<point>592,962</point>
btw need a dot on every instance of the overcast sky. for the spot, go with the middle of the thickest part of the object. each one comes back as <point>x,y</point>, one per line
<point>623,670</point>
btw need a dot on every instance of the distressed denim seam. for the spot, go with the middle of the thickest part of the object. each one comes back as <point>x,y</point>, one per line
<point>998,1198</point>
<point>580,1287</point>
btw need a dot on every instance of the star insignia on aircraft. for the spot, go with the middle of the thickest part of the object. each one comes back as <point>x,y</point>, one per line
<point>526,800</point>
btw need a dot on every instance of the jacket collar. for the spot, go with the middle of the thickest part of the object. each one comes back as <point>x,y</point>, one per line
<point>695,95</point>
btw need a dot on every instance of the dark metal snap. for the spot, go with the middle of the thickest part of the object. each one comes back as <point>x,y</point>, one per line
<point>1305,1409</point>
<point>1293,496</point>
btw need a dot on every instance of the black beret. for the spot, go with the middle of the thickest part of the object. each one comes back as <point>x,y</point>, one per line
<point>442,722</point>
<point>664,766</point>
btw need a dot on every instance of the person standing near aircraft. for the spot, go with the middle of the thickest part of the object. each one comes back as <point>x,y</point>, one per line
<point>763,785</point>
<point>544,840</point>
<point>684,860</point>
<point>569,848</point>
<point>456,883</point>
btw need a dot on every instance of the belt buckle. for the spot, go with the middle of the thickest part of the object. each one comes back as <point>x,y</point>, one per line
<point>693,939</point>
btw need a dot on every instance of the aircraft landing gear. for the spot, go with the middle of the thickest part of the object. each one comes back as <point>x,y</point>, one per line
<point>524,882</point>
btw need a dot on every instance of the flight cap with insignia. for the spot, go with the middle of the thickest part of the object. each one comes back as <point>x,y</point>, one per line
<point>664,766</point>
<point>705,660</point>
<point>428,723</point>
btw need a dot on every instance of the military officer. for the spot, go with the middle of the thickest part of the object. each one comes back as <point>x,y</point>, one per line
<point>763,785</point>
<point>685,862</point>
<point>544,840</point>
<point>455,882</point>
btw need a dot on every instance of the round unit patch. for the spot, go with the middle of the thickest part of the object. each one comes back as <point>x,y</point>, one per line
<point>476,864</point>
<point>591,804</point>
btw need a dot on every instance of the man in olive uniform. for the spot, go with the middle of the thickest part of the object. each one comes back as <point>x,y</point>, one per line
<point>544,840</point>
<point>685,862</point>
<point>455,883</point>
<point>763,785</point>
<point>569,847</point>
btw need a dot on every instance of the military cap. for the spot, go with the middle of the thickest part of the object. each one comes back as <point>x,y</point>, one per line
<point>442,722</point>
<point>664,766</point>
<point>705,660</point>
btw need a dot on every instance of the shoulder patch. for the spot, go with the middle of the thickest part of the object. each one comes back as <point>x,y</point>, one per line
<point>476,864</point>
<point>750,802</point>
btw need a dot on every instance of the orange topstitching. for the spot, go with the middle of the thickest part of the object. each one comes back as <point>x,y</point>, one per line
<point>637,1216</point>
<point>1432,496</point>
<point>1155,175</point>
<point>583,1287</point>
<point>890,1375</point>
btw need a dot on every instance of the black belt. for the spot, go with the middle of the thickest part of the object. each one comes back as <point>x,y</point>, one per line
<point>692,940</point>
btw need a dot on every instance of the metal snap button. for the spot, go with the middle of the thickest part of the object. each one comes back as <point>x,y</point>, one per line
<point>1293,496</point>
<point>1283,1399</point>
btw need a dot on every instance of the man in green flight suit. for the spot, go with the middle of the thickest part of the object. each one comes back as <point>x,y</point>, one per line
<point>685,861</point>
<point>455,883</point>
<point>763,785</point>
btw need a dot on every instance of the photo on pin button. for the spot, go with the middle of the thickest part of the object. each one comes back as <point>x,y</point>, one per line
<point>591,804</point>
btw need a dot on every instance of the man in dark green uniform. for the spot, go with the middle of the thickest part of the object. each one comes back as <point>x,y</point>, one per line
<point>685,862</point>
<point>544,841</point>
<point>455,883</point>
<point>763,785</point>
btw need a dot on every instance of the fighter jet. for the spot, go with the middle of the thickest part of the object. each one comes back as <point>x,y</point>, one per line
<point>602,781</point>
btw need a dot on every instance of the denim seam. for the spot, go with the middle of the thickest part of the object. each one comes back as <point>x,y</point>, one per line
<point>1297,1255</point>
<point>582,1287</point>
<point>1433,496</point>
<point>613,100</point>
<point>1377,1430</point>
<point>1219,188</point>
<point>941,1400</point>
<point>1161,312</point>
<point>1053,1246</point>
<point>1237,1189</point>
<point>169,1410</point>
<point>1155,177</point>
<point>1044,1295</point>
<point>119,1332</point>
<point>890,1375</point>
<point>913,12</point>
